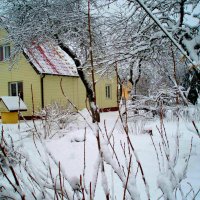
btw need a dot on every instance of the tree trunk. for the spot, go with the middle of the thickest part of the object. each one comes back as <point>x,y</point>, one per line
<point>194,87</point>
<point>86,83</point>
<point>134,82</point>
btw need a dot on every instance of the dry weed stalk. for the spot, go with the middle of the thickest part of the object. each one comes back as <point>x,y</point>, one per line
<point>129,169</point>
<point>195,126</point>
<point>169,162</point>
<point>130,146</point>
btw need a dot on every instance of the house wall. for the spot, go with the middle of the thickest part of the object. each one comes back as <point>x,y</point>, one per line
<point>102,101</point>
<point>75,91</point>
<point>72,87</point>
<point>21,71</point>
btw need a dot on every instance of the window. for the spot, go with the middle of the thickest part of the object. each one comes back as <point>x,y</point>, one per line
<point>4,52</point>
<point>108,91</point>
<point>15,89</point>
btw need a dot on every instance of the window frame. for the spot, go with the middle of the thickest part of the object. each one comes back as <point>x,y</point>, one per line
<point>16,83</point>
<point>108,92</point>
<point>5,57</point>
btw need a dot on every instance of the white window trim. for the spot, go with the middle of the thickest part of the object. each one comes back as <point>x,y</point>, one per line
<point>17,88</point>
<point>4,47</point>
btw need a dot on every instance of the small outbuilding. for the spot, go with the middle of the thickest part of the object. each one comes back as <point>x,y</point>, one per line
<point>9,108</point>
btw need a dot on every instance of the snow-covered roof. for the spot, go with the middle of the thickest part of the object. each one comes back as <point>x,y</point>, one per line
<point>13,103</point>
<point>49,58</point>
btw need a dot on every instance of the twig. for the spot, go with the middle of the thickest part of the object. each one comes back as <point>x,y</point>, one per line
<point>90,191</point>
<point>82,189</point>
<point>15,188</point>
<point>60,177</point>
<point>114,152</point>
<point>33,108</point>
<point>197,130</point>
<point>54,185</point>
<point>196,194</point>
<point>129,169</point>
<point>84,160</point>
<point>156,152</point>
<point>191,190</point>
<point>74,106</point>
<point>130,145</point>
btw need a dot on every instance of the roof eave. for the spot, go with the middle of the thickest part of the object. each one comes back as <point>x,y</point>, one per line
<point>75,76</point>
<point>38,72</point>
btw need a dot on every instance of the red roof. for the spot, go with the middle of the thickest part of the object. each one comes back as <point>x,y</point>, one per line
<point>51,59</point>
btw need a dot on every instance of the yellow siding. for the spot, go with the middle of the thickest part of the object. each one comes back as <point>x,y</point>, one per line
<point>21,71</point>
<point>102,101</point>
<point>72,88</point>
<point>75,91</point>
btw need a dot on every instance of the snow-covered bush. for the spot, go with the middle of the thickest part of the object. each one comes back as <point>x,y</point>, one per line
<point>172,166</point>
<point>171,162</point>
<point>23,178</point>
<point>192,112</point>
<point>137,126</point>
<point>168,101</point>
<point>56,117</point>
<point>43,174</point>
<point>7,153</point>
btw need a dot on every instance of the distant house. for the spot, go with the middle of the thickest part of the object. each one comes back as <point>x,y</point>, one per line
<point>126,88</point>
<point>41,68</point>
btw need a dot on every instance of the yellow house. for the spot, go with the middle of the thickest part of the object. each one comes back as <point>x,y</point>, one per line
<point>37,74</point>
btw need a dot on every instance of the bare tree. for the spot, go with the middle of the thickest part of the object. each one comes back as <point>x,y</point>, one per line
<point>146,30</point>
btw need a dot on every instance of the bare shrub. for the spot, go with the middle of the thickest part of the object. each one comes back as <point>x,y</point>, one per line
<point>7,152</point>
<point>148,107</point>
<point>56,117</point>
<point>47,179</point>
<point>172,165</point>
<point>22,178</point>
<point>192,112</point>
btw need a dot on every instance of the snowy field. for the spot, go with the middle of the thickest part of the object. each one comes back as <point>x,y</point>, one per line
<point>169,159</point>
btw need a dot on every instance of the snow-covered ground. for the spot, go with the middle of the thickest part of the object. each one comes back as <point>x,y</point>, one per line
<point>163,156</point>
